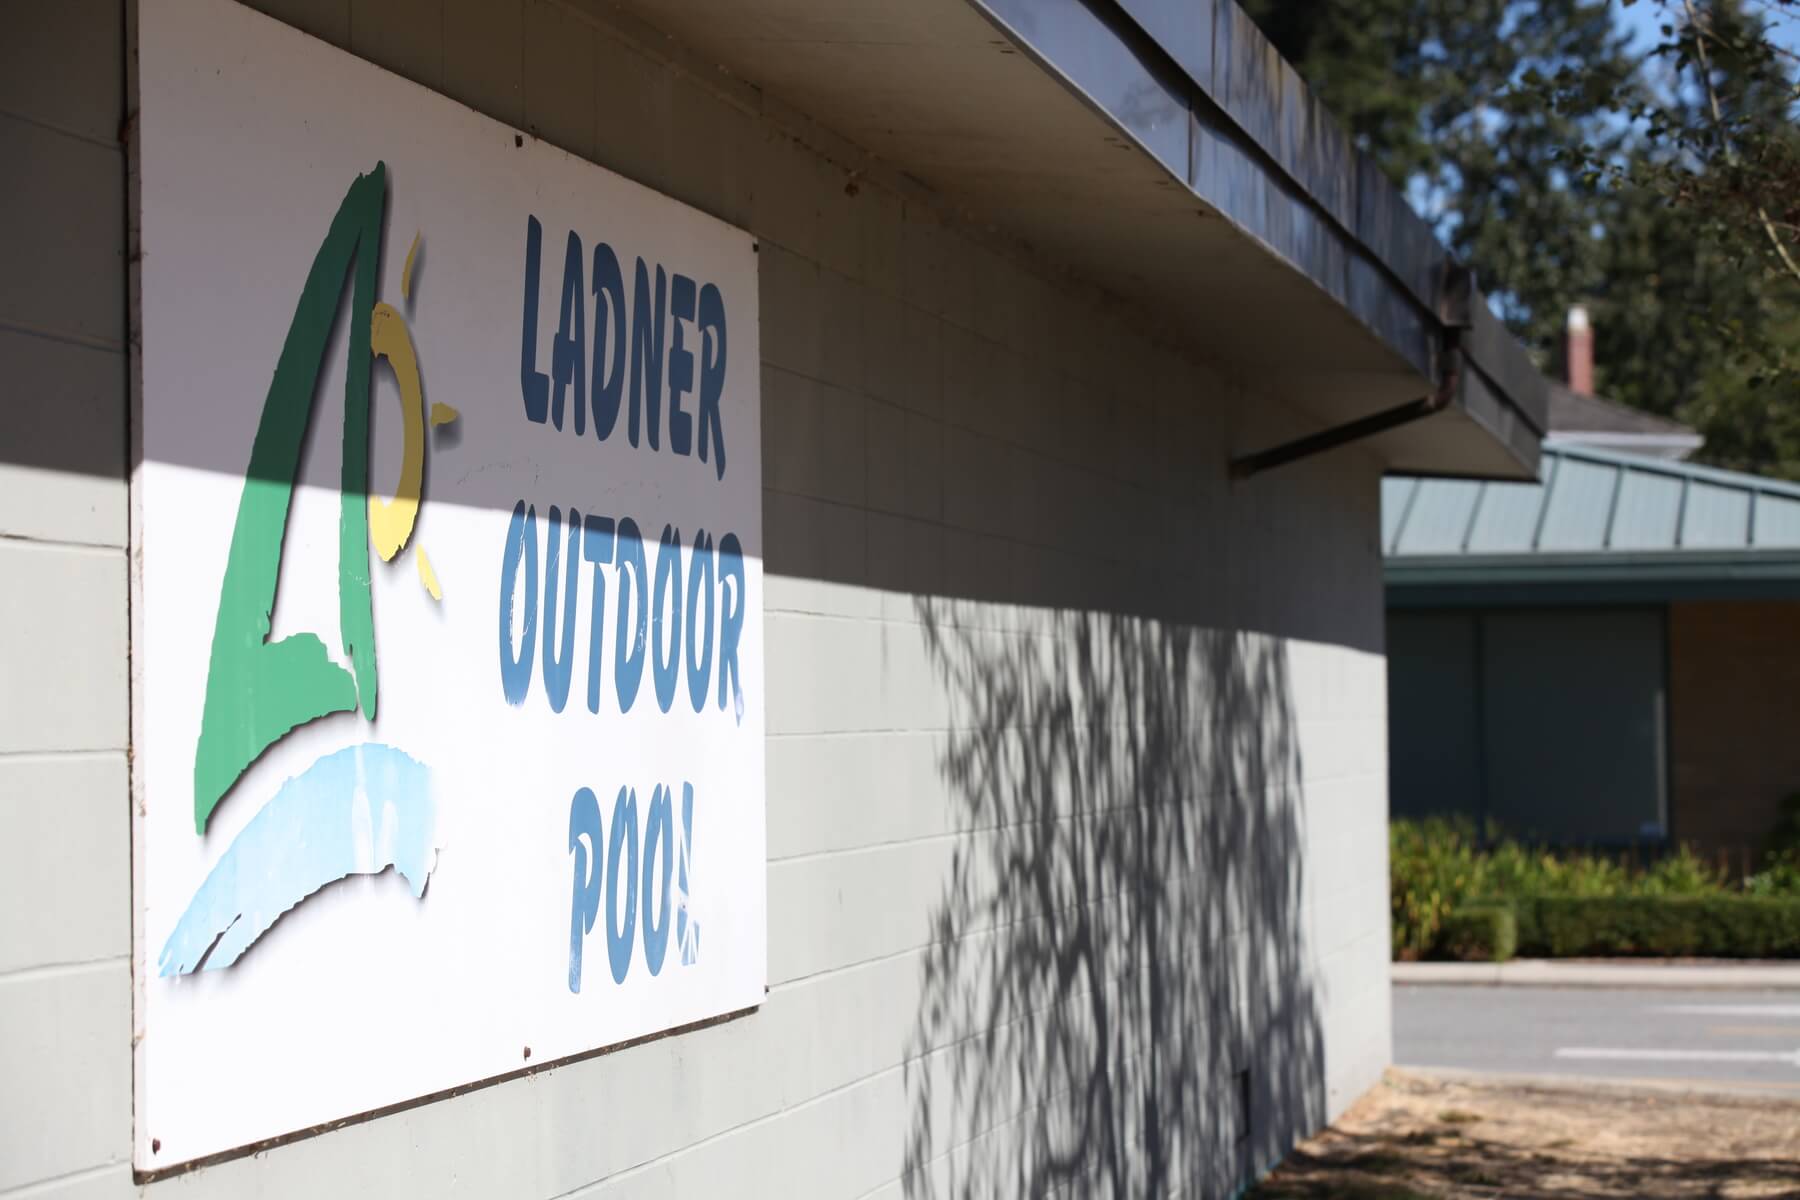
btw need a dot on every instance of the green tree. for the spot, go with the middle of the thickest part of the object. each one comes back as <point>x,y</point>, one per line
<point>1565,167</point>
<point>1726,110</point>
<point>1721,158</point>
<point>1430,88</point>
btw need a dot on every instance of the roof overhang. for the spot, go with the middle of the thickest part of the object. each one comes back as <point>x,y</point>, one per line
<point>1612,578</point>
<point>1163,151</point>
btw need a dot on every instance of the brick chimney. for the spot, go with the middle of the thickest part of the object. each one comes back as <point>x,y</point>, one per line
<point>1580,356</point>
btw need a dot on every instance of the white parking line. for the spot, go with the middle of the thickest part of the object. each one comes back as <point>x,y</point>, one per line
<point>1732,1010</point>
<point>1791,1057</point>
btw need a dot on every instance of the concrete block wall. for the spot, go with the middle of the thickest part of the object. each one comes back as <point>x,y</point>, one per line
<point>65,859</point>
<point>1076,764</point>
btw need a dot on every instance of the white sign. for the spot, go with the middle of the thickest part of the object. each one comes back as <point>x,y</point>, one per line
<point>447,652</point>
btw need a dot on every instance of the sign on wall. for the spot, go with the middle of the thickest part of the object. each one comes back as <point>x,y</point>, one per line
<point>447,596</point>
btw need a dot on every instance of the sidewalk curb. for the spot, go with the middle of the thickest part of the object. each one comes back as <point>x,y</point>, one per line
<point>1750,1094</point>
<point>1529,972</point>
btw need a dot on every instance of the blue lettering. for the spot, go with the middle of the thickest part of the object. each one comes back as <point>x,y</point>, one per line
<point>665,643</point>
<point>597,548</point>
<point>702,578</point>
<point>655,899</point>
<point>681,364</point>
<point>659,833</point>
<point>557,667</point>
<point>569,361</point>
<point>584,903</point>
<point>670,622</point>
<point>646,354</point>
<point>712,373</point>
<point>731,623</point>
<point>609,300</point>
<point>521,541</point>
<point>628,646</point>
<point>621,934</point>
<point>532,383</point>
<point>620,349</point>
<point>687,932</point>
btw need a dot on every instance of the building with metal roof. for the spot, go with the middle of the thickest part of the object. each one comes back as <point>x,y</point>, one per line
<point>1609,654</point>
<point>1595,524</point>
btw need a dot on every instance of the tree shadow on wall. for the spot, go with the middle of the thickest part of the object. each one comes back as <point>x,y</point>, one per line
<point>1116,1001</point>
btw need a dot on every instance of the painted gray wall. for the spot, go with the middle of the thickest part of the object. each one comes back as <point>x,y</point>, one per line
<point>1076,765</point>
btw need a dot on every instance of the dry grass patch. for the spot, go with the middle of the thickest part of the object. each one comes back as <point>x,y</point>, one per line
<point>1421,1138</point>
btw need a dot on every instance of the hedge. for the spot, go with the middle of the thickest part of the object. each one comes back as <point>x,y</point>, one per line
<point>1481,933</point>
<point>1668,926</point>
<point>1651,926</point>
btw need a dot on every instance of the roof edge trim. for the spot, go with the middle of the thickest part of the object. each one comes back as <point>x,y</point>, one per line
<point>1196,86</point>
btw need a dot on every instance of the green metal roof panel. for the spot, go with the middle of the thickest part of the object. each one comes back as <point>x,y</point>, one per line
<point>1589,502</point>
<point>1396,495</point>
<point>1577,506</point>
<point>1777,522</point>
<point>1438,522</point>
<point>1647,511</point>
<point>1715,517</point>
<point>1507,519</point>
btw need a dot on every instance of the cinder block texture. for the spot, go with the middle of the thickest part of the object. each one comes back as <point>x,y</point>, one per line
<point>62,440</point>
<point>484,53</point>
<point>65,826</point>
<point>52,912</point>
<point>62,234</point>
<point>405,36</point>
<point>63,642</point>
<point>66,1106</point>
<point>63,65</point>
<point>1076,776</point>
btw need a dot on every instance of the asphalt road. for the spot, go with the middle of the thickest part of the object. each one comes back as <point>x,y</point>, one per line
<point>1746,1041</point>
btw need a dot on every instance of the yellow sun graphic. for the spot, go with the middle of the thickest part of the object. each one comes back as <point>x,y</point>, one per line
<point>391,520</point>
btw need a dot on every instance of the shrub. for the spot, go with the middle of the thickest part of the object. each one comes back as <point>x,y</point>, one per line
<point>1781,877</point>
<point>1529,932</point>
<point>1682,873</point>
<point>1780,874</point>
<point>1512,869</point>
<point>1445,889</point>
<point>1433,867</point>
<point>1716,926</point>
<point>1480,932</point>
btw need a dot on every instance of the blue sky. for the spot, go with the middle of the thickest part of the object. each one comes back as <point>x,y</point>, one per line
<point>1642,21</point>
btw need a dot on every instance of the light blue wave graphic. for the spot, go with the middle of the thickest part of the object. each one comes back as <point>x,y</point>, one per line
<point>357,811</point>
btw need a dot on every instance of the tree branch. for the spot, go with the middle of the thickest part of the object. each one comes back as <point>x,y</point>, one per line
<point>1701,34</point>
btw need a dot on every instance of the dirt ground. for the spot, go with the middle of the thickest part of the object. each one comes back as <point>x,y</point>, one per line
<point>1417,1136</point>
